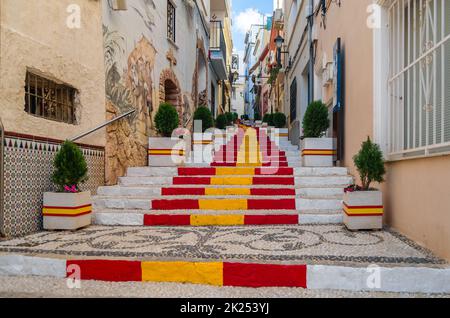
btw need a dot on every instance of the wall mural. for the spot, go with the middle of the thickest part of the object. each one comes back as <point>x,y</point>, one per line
<point>128,89</point>
<point>142,72</point>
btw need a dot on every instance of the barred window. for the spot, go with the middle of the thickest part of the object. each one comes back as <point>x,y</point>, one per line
<point>171,21</point>
<point>419,98</point>
<point>50,100</point>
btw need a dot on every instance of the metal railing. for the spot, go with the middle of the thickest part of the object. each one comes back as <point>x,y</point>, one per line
<point>103,125</point>
<point>217,40</point>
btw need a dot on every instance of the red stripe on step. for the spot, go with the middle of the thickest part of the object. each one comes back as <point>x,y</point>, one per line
<point>188,180</point>
<point>275,164</point>
<point>166,220</point>
<point>270,219</point>
<point>268,192</point>
<point>264,275</point>
<point>273,181</point>
<point>105,270</point>
<point>283,171</point>
<point>196,171</point>
<point>282,204</point>
<point>183,191</point>
<point>175,204</point>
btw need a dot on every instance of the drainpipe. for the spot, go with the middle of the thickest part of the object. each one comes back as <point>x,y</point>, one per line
<point>311,52</point>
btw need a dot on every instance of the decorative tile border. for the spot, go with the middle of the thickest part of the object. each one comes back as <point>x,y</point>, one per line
<point>28,166</point>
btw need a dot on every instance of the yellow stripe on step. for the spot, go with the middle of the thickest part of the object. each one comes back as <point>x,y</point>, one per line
<point>223,204</point>
<point>183,272</point>
<point>234,171</point>
<point>217,220</point>
<point>231,181</point>
<point>227,191</point>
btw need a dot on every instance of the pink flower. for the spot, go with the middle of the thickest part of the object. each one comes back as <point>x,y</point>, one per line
<point>71,189</point>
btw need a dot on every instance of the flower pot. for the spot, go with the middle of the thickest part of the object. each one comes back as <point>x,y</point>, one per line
<point>67,211</point>
<point>318,152</point>
<point>220,138</point>
<point>363,210</point>
<point>231,131</point>
<point>167,152</point>
<point>203,146</point>
<point>280,135</point>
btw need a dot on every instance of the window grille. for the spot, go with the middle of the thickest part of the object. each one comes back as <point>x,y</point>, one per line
<point>171,21</point>
<point>419,80</point>
<point>50,100</point>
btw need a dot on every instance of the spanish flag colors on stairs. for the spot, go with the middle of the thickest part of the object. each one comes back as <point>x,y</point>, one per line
<point>251,181</point>
<point>237,168</point>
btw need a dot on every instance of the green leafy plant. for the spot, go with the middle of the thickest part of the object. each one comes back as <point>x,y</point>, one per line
<point>221,121</point>
<point>166,119</point>
<point>235,117</point>
<point>268,118</point>
<point>370,164</point>
<point>316,121</point>
<point>229,117</point>
<point>204,114</point>
<point>244,117</point>
<point>273,75</point>
<point>257,116</point>
<point>279,120</point>
<point>70,167</point>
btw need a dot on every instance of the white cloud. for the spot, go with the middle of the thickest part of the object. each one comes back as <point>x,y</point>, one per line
<point>244,19</point>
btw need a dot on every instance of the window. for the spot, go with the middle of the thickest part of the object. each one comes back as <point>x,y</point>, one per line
<point>171,18</point>
<point>419,94</point>
<point>293,100</point>
<point>48,99</point>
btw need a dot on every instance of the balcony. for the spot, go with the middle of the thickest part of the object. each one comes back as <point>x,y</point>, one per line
<point>218,50</point>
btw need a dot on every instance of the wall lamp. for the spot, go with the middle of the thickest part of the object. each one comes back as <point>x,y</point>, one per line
<point>279,41</point>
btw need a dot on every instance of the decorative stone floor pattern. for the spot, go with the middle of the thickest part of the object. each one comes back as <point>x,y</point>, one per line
<point>308,244</point>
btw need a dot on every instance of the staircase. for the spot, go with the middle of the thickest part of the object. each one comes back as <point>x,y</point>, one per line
<point>251,181</point>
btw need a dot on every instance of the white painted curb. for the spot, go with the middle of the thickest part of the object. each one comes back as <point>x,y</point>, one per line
<point>19,265</point>
<point>396,279</point>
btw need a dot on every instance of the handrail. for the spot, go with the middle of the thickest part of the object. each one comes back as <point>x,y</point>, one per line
<point>103,125</point>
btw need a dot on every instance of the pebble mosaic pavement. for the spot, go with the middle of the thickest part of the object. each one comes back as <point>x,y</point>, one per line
<point>309,244</point>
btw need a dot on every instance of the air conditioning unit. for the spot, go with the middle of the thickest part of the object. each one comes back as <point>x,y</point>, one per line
<point>120,5</point>
<point>278,15</point>
<point>328,74</point>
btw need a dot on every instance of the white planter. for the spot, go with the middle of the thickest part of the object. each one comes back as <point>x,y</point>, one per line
<point>203,146</point>
<point>220,138</point>
<point>231,131</point>
<point>258,123</point>
<point>67,211</point>
<point>280,135</point>
<point>167,152</point>
<point>318,152</point>
<point>363,210</point>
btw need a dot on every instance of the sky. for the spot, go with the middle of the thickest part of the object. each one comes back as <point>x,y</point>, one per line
<point>244,14</point>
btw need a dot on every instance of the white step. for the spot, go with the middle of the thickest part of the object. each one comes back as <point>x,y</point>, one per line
<point>316,193</point>
<point>318,204</point>
<point>129,191</point>
<point>321,172</point>
<point>152,171</point>
<point>334,181</point>
<point>133,218</point>
<point>146,203</point>
<point>155,192</point>
<point>135,181</point>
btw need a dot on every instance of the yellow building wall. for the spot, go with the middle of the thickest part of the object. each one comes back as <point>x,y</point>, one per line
<point>34,34</point>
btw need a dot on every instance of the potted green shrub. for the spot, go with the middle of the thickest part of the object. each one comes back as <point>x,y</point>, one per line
<point>363,205</point>
<point>203,141</point>
<point>69,208</point>
<point>220,136</point>
<point>166,150</point>
<point>317,150</point>
<point>268,119</point>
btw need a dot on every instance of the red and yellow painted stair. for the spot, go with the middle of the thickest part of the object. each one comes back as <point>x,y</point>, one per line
<point>248,165</point>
